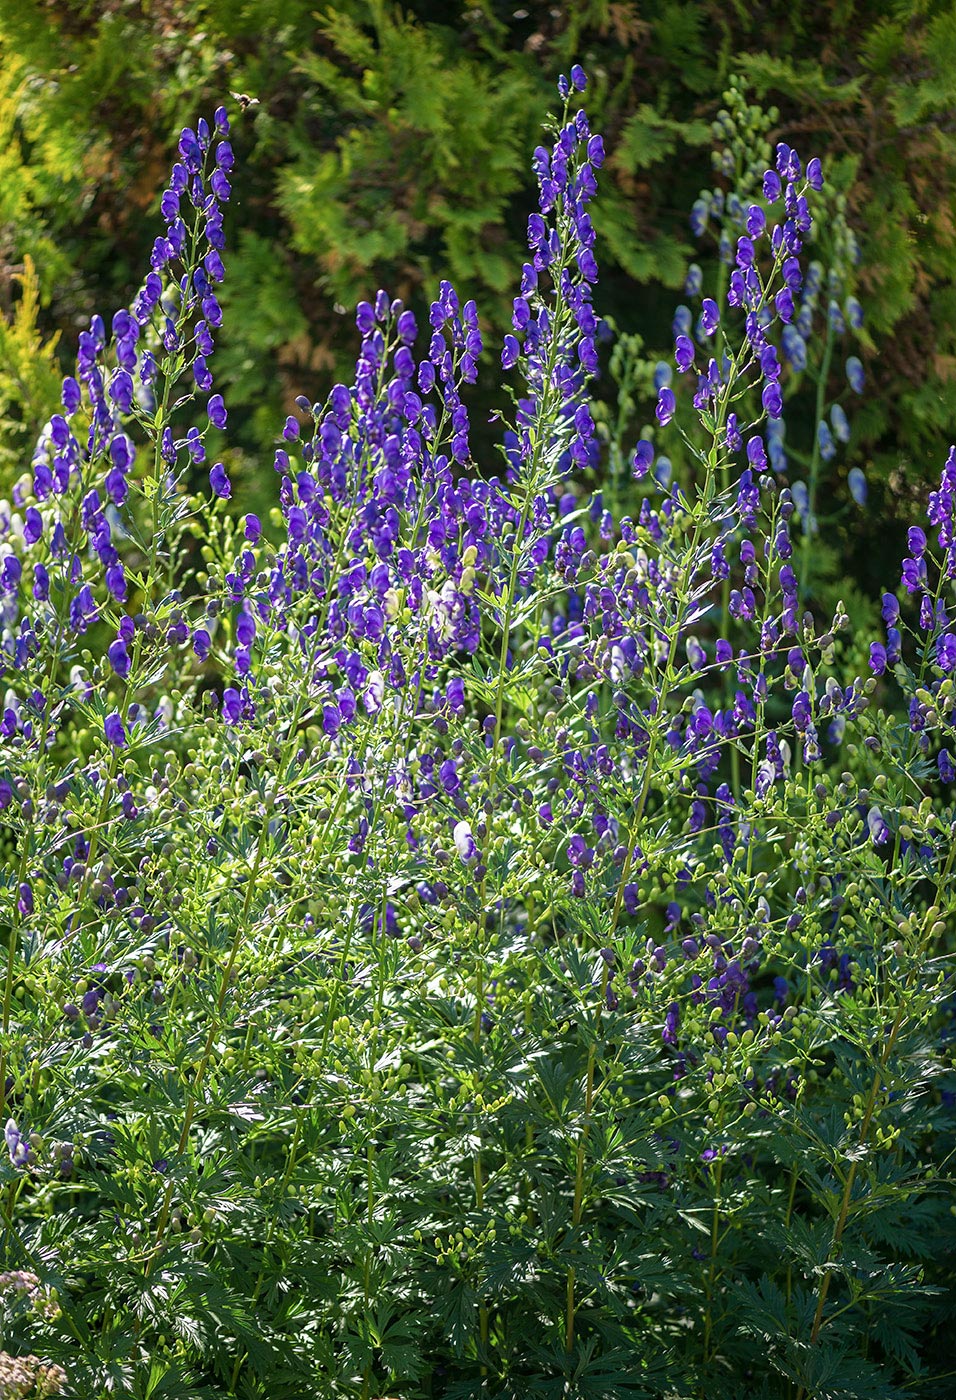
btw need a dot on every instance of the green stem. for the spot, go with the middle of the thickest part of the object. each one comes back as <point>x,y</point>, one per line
<point>712,1269</point>
<point>815,458</point>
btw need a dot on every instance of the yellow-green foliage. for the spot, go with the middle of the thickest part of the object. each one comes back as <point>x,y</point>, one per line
<point>29,377</point>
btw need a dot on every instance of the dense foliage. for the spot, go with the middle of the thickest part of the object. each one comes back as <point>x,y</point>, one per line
<point>486,942</point>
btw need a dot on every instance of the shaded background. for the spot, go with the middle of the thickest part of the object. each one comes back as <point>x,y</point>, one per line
<point>391,147</point>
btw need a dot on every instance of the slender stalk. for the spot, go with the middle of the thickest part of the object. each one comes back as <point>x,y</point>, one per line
<point>712,1269</point>
<point>814,472</point>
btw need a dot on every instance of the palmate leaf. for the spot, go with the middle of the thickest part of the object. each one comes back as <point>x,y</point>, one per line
<point>595,1373</point>
<point>459,1315</point>
<point>761,1307</point>
<point>402,1355</point>
<point>174,1381</point>
<point>827,1372</point>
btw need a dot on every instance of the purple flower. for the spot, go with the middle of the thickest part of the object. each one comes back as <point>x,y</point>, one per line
<point>946,651</point>
<point>856,481</point>
<point>815,174</point>
<point>772,399</point>
<point>684,353</point>
<point>465,843</point>
<point>448,776</point>
<point>114,731</point>
<point>642,460</point>
<point>18,1145</point>
<point>119,657</point>
<point>772,188</point>
<point>220,482</point>
<point>841,426</point>
<point>756,220</point>
<point>666,404</point>
<point>121,391</point>
<point>32,525</point>
<point>756,454</point>
<point>217,411</point>
<point>709,316</point>
<point>71,394</point>
<point>116,581</point>
<point>855,375</point>
<point>783,301</point>
<point>510,352</point>
<point>231,705</point>
<point>916,541</point>
<point>578,78</point>
<point>194,445</point>
<point>877,658</point>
